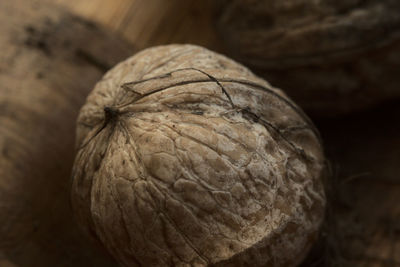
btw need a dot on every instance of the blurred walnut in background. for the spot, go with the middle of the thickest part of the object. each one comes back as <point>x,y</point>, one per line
<point>344,55</point>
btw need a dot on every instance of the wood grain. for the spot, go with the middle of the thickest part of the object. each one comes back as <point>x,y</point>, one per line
<point>50,60</point>
<point>153,22</point>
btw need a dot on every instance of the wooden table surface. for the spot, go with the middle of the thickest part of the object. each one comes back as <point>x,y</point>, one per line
<point>152,22</point>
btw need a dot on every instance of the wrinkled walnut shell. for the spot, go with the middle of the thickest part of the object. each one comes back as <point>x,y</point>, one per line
<point>185,158</point>
<point>330,56</point>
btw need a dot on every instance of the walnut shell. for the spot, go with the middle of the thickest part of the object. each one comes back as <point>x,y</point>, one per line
<point>185,158</point>
<point>331,56</point>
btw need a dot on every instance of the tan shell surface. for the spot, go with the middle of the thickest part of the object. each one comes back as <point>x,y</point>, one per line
<point>185,158</point>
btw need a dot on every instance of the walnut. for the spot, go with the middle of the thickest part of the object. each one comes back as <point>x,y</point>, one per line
<point>186,158</point>
<point>331,56</point>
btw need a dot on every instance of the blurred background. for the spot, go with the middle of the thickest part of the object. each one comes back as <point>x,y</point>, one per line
<point>155,22</point>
